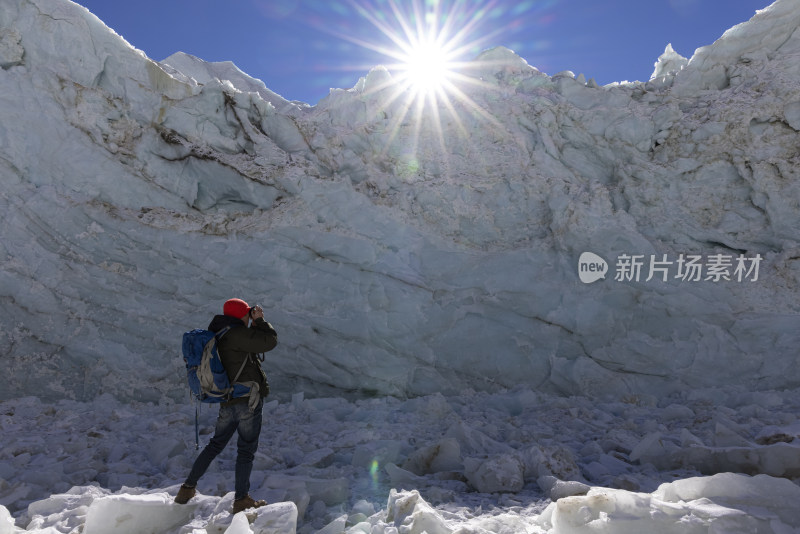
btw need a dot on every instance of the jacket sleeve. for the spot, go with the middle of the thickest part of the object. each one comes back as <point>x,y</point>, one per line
<point>260,337</point>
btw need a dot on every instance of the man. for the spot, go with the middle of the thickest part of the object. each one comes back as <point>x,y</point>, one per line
<point>237,350</point>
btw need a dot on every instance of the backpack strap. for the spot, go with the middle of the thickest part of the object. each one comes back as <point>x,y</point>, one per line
<point>240,370</point>
<point>254,395</point>
<point>239,373</point>
<point>222,332</point>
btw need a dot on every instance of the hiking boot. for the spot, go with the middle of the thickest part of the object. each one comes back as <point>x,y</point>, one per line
<point>246,502</point>
<point>184,494</point>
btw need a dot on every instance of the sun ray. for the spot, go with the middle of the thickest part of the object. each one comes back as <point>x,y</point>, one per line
<point>462,130</point>
<point>427,93</point>
<point>437,124</point>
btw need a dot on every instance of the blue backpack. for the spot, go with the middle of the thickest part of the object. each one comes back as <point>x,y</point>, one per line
<point>207,377</point>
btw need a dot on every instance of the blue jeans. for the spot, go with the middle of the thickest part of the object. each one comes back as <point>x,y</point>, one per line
<point>230,419</point>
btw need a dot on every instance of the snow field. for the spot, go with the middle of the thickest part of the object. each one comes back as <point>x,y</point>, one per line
<point>514,461</point>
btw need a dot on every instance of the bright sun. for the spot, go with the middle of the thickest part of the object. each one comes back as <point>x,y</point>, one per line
<point>423,43</point>
<point>427,67</point>
<point>429,83</point>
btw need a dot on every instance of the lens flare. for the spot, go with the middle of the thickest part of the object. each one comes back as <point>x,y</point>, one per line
<point>373,472</point>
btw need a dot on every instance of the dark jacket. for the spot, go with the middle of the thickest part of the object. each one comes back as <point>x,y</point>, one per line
<point>240,344</point>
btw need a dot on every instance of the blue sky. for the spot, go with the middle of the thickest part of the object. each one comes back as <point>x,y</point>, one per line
<point>302,48</point>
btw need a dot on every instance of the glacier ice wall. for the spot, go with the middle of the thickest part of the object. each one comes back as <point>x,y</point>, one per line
<point>395,252</point>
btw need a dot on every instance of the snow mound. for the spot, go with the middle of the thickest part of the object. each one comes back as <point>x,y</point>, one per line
<point>722,503</point>
<point>97,511</point>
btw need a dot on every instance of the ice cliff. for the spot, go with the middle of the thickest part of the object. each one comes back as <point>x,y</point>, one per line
<point>398,253</point>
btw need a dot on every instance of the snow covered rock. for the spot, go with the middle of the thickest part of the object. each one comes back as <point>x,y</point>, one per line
<point>549,461</point>
<point>442,456</point>
<point>94,510</point>
<point>722,503</point>
<point>734,453</point>
<point>239,525</point>
<point>337,526</point>
<point>7,522</point>
<point>504,473</point>
<point>669,63</point>
<point>140,514</point>
<point>303,490</point>
<point>409,510</point>
<point>558,489</point>
<point>278,518</point>
<point>404,479</point>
